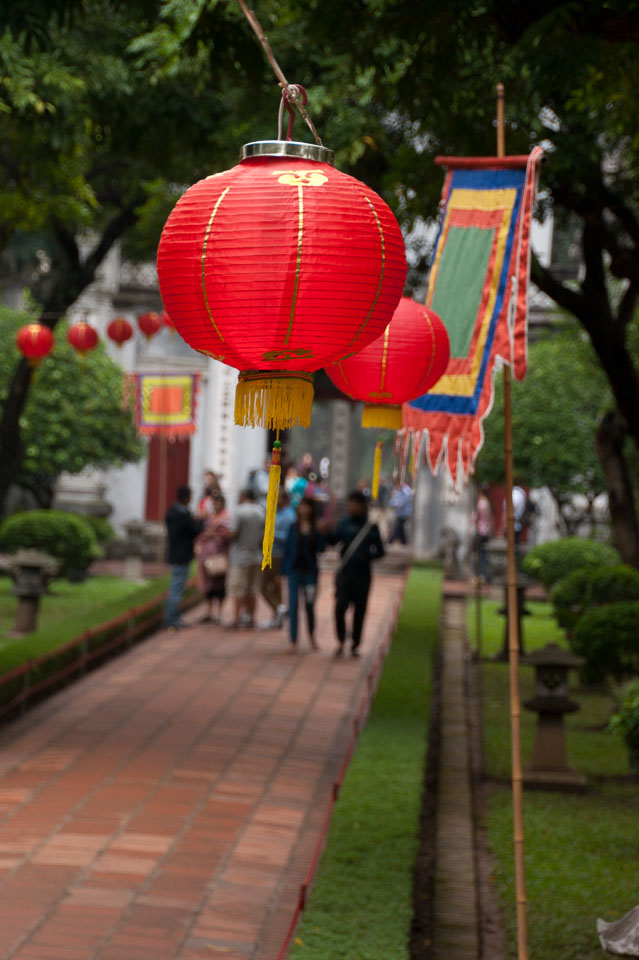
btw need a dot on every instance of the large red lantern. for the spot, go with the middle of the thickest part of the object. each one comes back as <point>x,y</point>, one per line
<point>149,323</point>
<point>404,363</point>
<point>278,267</point>
<point>167,322</point>
<point>119,331</point>
<point>82,337</point>
<point>34,341</point>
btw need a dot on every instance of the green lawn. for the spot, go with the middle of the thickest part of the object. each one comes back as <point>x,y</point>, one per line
<point>582,850</point>
<point>361,905</point>
<point>69,609</point>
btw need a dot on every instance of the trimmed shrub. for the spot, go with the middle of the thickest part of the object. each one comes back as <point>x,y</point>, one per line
<point>608,637</point>
<point>591,587</point>
<point>626,722</point>
<point>104,532</point>
<point>550,562</point>
<point>64,536</point>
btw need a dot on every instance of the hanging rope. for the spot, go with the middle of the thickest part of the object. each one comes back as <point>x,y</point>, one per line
<point>292,92</point>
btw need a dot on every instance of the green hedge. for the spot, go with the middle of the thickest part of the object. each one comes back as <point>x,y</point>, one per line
<point>608,637</point>
<point>550,562</point>
<point>626,722</point>
<point>65,536</point>
<point>591,587</point>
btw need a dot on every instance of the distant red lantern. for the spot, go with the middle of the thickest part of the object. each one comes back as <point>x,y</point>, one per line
<point>404,363</point>
<point>149,323</point>
<point>82,337</point>
<point>119,330</point>
<point>278,267</point>
<point>35,342</point>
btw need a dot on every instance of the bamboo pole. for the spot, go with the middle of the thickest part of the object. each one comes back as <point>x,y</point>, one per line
<point>513,638</point>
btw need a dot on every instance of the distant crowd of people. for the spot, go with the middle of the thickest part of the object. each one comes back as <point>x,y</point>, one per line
<point>228,551</point>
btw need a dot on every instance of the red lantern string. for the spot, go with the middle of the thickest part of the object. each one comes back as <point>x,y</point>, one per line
<point>82,337</point>
<point>35,342</point>
<point>119,331</point>
<point>149,323</point>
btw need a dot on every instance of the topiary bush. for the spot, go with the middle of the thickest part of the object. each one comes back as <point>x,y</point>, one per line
<point>608,637</point>
<point>550,562</point>
<point>103,530</point>
<point>626,722</point>
<point>592,587</point>
<point>65,536</point>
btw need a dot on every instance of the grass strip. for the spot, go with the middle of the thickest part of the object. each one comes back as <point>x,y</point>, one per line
<point>361,904</point>
<point>582,850</point>
<point>69,609</point>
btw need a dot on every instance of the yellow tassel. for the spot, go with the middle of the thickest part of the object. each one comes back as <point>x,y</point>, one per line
<point>271,505</point>
<point>276,401</point>
<point>382,415</point>
<point>377,469</point>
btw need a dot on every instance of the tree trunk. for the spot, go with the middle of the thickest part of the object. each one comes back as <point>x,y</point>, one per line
<point>611,434</point>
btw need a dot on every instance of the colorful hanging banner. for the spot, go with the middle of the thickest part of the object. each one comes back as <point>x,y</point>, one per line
<point>165,404</point>
<point>478,284</point>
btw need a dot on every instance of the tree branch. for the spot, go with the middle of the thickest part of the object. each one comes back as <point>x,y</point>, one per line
<point>594,282</point>
<point>565,297</point>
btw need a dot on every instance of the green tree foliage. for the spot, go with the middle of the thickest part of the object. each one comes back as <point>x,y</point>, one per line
<point>555,414</point>
<point>74,417</point>
<point>550,562</point>
<point>64,536</point>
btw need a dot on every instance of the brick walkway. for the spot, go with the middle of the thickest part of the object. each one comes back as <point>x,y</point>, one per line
<point>455,927</point>
<point>167,805</point>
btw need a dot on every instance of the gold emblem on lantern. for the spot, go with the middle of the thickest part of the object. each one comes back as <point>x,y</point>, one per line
<point>278,355</point>
<point>302,178</point>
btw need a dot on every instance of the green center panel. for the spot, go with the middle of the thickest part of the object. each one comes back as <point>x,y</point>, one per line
<point>460,283</point>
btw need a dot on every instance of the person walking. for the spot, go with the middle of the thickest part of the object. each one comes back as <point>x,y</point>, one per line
<point>271,582</point>
<point>483,532</point>
<point>245,558</point>
<point>401,501</point>
<point>361,543</point>
<point>303,544</point>
<point>182,528</point>
<point>212,552</point>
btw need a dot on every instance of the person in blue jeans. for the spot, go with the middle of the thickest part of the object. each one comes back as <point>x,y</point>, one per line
<point>182,528</point>
<point>299,564</point>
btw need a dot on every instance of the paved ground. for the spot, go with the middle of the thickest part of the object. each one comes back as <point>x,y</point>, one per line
<point>456,921</point>
<point>166,806</point>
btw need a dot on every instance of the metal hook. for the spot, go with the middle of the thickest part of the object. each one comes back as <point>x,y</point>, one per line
<point>290,95</point>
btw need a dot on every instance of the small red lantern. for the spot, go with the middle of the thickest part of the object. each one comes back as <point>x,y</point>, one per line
<point>82,337</point>
<point>35,341</point>
<point>404,363</point>
<point>119,330</point>
<point>278,267</point>
<point>149,323</point>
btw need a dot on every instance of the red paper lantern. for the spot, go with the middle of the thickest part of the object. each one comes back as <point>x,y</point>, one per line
<point>34,341</point>
<point>404,363</point>
<point>82,337</point>
<point>166,320</point>
<point>278,267</point>
<point>119,330</point>
<point>149,323</point>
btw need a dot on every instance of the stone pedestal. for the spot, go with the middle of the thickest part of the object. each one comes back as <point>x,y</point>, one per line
<point>549,768</point>
<point>31,571</point>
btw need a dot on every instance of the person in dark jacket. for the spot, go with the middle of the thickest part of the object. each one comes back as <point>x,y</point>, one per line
<point>182,528</point>
<point>299,564</point>
<point>360,544</point>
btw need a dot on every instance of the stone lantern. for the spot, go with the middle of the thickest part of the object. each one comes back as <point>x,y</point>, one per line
<point>549,765</point>
<point>133,570</point>
<point>31,571</point>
